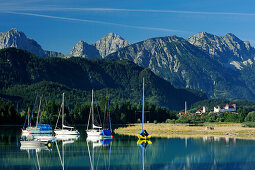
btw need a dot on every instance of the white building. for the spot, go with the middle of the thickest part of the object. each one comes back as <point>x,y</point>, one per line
<point>227,108</point>
<point>201,111</point>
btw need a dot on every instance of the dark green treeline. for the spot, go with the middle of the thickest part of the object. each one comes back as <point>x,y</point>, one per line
<point>121,113</point>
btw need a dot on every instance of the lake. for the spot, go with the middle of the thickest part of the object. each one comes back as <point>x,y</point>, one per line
<point>123,152</point>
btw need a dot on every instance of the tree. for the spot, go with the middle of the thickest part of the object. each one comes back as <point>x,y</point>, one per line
<point>250,117</point>
<point>8,114</point>
<point>242,114</point>
<point>50,113</point>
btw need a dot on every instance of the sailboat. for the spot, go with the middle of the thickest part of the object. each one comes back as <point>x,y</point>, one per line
<point>39,128</point>
<point>143,135</point>
<point>94,131</point>
<point>107,132</point>
<point>65,130</point>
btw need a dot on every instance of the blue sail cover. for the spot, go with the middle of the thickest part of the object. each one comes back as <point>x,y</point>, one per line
<point>44,127</point>
<point>144,133</point>
<point>106,132</point>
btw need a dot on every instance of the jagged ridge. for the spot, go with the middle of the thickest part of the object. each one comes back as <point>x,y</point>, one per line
<point>17,39</point>
<point>108,44</point>
<point>185,65</point>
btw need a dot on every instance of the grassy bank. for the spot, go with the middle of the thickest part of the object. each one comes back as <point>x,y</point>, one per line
<point>235,130</point>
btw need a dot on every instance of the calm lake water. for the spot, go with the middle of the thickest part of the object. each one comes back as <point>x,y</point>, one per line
<point>124,153</point>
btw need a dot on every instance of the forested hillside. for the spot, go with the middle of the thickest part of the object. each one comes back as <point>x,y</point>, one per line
<point>24,75</point>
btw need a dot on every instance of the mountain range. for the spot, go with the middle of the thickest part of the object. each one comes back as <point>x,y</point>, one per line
<point>23,75</point>
<point>186,65</point>
<point>221,66</point>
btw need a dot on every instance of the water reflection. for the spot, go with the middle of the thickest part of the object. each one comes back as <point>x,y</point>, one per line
<point>143,145</point>
<point>35,141</point>
<point>98,155</point>
<point>33,145</point>
<point>227,139</point>
<point>65,140</point>
<point>122,152</point>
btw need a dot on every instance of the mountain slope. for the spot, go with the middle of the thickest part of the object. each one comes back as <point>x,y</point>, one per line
<point>185,65</point>
<point>14,38</point>
<point>227,49</point>
<point>122,78</point>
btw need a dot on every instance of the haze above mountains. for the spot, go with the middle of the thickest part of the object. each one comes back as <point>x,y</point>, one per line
<point>222,66</point>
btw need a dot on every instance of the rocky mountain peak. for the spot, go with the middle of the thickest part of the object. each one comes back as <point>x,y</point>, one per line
<point>110,43</point>
<point>113,36</point>
<point>17,39</point>
<point>13,30</point>
<point>225,48</point>
<point>202,35</point>
<point>83,49</point>
<point>232,37</point>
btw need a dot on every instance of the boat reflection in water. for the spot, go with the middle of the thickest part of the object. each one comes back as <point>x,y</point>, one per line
<point>65,141</point>
<point>143,144</point>
<point>99,150</point>
<point>35,141</point>
<point>67,138</point>
<point>35,144</point>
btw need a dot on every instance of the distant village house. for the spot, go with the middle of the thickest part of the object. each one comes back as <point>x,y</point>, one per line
<point>198,112</point>
<point>201,111</point>
<point>227,108</point>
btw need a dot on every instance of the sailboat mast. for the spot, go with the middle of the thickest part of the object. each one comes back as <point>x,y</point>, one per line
<point>143,159</point>
<point>63,151</point>
<point>63,109</point>
<point>39,109</point>
<point>109,116</point>
<point>185,108</point>
<point>28,114</point>
<point>143,105</point>
<point>92,109</point>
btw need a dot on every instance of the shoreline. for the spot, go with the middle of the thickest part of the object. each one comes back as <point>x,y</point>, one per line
<point>217,130</point>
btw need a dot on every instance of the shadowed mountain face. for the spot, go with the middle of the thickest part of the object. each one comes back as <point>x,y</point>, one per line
<point>21,70</point>
<point>183,64</point>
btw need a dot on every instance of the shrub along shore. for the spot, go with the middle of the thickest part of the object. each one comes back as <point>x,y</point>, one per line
<point>231,130</point>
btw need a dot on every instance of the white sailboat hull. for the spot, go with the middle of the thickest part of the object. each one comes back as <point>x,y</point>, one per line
<point>93,132</point>
<point>66,132</point>
<point>36,143</point>
<point>45,138</point>
<point>35,131</point>
<point>94,138</point>
<point>67,137</point>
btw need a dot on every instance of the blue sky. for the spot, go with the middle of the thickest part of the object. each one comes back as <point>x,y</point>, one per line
<point>59,24</point>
